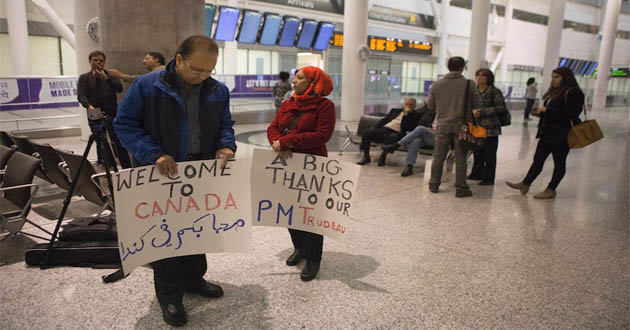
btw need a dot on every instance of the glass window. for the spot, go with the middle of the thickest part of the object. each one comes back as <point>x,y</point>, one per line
<point>219,66</point>
<point>426,71</point>
<point>6,67</point>
<point>275,63</point>
<point>44,55</point>
<point>68,59</point>
<point>259,62</point>
<point>241,61</point>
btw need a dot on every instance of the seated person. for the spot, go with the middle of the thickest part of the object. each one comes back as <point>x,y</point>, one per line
<point>423,136</point>
<point>391,128</point>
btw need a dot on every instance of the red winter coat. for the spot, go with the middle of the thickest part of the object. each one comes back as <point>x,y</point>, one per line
<point>313,129</point>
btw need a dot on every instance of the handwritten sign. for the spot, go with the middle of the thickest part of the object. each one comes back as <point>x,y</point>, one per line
<point>305,192</point>
<point>201,209</point>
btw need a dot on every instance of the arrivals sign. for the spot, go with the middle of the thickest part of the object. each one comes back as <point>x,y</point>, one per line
<point>389,45</point>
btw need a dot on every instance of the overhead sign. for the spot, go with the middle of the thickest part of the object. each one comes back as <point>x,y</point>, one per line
<point>330,6</point>
<point>392,15</point>
<point>389,45</point>
<point>620,72</point>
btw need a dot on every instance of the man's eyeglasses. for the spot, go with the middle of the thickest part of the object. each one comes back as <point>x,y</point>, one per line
<point>200,73</point>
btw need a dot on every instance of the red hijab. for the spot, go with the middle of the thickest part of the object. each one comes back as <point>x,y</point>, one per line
<point>320,85</point>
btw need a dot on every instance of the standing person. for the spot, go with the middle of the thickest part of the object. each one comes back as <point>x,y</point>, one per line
<point>530,96</point>
<point>563,103</point>
<point>179,114</point>
<point>97,93</point>
<point>280,89</point>
<point>485,165</point>
<point>153,61</point>
<point>447,97</point>
<point>305,123</point>
<point>389,130</point>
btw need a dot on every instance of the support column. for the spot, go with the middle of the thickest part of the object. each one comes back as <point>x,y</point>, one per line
<point>441,63</point>
<point>613,7</point>
<point>554,37</point>
<point>18,36</point>
<point>130,29</point>
<point>478,36</point>
<point>355,23</point>
<point>509,10</point>
<point>84,11</point>
<point>56,21</point>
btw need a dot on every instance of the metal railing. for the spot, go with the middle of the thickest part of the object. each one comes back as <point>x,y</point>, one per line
<point>18,121</point>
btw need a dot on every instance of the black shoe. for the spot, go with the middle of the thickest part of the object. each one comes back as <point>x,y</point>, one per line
<point>174,315</point>
<point>364,160</point>
<point>310,270</point>
<point>295,257</point>
<point>381,160</point>
<point>486,183</point>
<point>463,193</point>
<point>434,188</point>
<point>408,171</point>
<point>207,290</point>
<point>390,148</point>
<point>473,177</point>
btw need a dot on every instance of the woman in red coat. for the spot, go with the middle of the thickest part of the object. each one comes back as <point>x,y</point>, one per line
<point>304,123</point>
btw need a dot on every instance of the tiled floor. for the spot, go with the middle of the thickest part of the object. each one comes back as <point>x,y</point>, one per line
<point>415,260</point>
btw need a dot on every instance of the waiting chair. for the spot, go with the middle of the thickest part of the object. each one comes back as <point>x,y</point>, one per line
<point>24,145</point>
<point>5,154</point>
<point>5,140</point>
<point>18,191</point>
<point>365,123</point>
<point>53,165</point>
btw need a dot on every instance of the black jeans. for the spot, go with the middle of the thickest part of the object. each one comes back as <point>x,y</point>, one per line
<point>380,135</point>
<point>118,150</point>
<point>528,107</point>
<point>559,151</point>
<point>311,244</point>
<point>173,275</point>
<point>485,165</point>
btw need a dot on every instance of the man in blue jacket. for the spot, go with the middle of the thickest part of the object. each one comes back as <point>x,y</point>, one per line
<point>179,114</point>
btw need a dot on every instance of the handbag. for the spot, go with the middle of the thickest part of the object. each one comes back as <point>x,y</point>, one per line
<point>470,135</point>
<point>584,133</point>
<point>505,119</point>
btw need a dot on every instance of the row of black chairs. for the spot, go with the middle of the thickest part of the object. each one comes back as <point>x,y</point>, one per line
<point>23,158</point>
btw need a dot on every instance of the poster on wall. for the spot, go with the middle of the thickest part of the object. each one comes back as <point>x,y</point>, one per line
<point>8,90</point>
<point>305,192</point>
<point>202,208</point>
<point>37,93</point>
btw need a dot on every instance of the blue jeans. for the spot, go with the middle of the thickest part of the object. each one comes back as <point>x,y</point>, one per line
<point>415,140</point>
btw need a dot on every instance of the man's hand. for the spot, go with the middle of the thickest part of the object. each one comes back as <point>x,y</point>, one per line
<point>115,73</point>
<point>166,165</point>
<point>90,108</point>
<point>276,145</point>
<point>99,73</point>
<point>477,112</point>
<point>223,155</point>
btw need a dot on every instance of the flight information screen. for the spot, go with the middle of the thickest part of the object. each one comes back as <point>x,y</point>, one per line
<point>226,25</point>
<point>270,30</point>
<point>324,34</point>
<point>250,26</point>
<point>309,27</point>
<point>289,30</point>
<point>209,14</point>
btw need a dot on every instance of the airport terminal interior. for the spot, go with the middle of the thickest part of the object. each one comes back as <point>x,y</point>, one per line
<point>409,258</point>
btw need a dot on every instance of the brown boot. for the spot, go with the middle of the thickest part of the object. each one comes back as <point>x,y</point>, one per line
<point>518,186</point>
<point>546,194</point>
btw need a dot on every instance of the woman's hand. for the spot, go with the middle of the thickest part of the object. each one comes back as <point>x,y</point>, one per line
<point>276,146</point>
<point>541,109</point>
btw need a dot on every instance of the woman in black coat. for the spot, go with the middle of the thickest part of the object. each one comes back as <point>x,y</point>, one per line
<point>563,104</point>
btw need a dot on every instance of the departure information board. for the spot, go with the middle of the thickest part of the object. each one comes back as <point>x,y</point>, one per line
<point>289,30</point>
<point>226,25</point>
<point>324,33</point>
<point>249,26</point>
<point>309,27</point>
<point>270,30</point>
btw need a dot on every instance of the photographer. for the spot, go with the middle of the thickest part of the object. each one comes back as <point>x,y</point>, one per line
<point>97,93</point>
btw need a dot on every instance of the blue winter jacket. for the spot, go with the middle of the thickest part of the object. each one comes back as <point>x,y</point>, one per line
<point>152,119</point>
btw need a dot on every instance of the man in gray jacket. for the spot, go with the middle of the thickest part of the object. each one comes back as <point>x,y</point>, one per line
<point>447,98</point>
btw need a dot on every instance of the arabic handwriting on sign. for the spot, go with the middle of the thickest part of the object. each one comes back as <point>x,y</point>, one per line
<point>164,228</point>
<point>135,245</point>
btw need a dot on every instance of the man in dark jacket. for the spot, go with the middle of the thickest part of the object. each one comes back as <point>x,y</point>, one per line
<point>179,114</point>
<point>97,93</point>
<point>423,136</point>
<point>391,128</point>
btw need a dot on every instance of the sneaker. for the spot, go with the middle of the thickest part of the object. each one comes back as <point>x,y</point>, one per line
<point>408,171</point>
<point>463,193</point>
<point>548,193</point>
<point>518,186</point>
<point>364,161</point>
